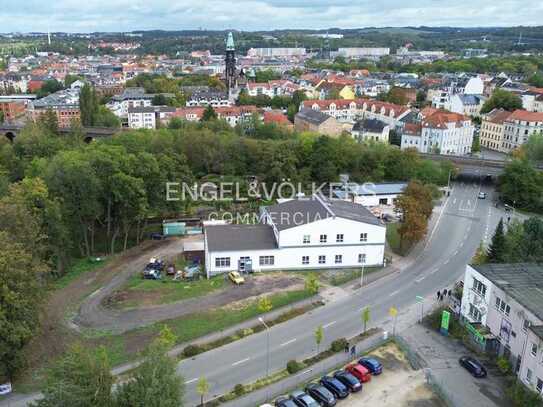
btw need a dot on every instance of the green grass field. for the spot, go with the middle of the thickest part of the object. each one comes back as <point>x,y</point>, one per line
<point>80,266</point>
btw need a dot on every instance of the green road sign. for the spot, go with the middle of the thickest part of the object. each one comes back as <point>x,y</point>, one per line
<point>419,298</point>
<point>445,320</point>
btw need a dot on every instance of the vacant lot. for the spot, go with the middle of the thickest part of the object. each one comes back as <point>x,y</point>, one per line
<point>398,385</point>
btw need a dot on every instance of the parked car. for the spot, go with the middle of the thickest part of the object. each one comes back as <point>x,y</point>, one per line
<point>473,366</point>
<point>153,269</point>
<point>157,236</point>
<point>373,365</point>
<point>482,195</point>
<point>284,401</point>
<point>320,393</point>
<point>359,371</point>
<point>349,380</point>
<point>236,278</point>
<point>303,399</point>
<point>338,389</point>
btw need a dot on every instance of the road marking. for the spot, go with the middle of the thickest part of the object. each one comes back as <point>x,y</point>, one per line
<point>95,292</point>
<point>329,324</point>
<point>394,293</point>
<point>304,372</point>
<point>191,380</point>
<point>434,271</point>
<point>447,261</point>
<point>240,361</point>
<point>418,280</point>
<point>288,342</point>
<point>455,253</point>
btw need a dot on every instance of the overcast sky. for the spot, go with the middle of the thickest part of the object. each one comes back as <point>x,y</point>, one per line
<point>128,15</point>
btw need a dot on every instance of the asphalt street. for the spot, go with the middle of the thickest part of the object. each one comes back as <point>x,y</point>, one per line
<point>462,222</point>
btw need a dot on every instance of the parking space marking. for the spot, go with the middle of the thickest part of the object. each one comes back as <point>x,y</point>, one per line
<point>240,361</point>
<point>288,342</point>
<point>191,380</point>
<point>329,324</point>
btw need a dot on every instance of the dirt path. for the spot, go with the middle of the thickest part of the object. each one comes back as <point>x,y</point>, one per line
<point>92,314</point>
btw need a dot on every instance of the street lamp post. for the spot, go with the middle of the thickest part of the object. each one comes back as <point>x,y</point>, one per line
<point>267,346</point>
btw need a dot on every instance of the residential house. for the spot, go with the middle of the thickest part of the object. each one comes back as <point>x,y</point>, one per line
<point>209,98</point>
<point>519,126</point>
<point>502,306</point>
<point>372,195</point>
<point>315,121</point>
<point>147,117</point>
<point>492,131</point>
<point>466,104</point>
<point>128,99</point>
<point>371,130</point>
<point>307,233</point>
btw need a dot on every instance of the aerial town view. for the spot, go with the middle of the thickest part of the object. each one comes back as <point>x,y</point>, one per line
<point>271,203</point>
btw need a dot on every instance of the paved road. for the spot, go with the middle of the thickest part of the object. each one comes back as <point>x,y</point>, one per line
<point>462,222</point>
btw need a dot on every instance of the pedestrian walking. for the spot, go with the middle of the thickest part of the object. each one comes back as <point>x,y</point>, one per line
<point>346,347</point>
<point>450,291</point>
<point>353,350</point>
<point>438,294</point>
<point>445,292</point>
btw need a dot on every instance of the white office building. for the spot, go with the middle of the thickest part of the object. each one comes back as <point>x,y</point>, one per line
<point>305,233</point>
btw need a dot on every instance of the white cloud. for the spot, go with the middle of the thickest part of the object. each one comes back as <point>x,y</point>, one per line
<point>126,15</point>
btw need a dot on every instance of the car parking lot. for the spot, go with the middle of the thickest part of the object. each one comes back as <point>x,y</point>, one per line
<point>397,385</point>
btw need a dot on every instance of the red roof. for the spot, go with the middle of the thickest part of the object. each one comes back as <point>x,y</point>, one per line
<point>183,112</point>
<point>442,118</point>
<point>524,115</point>
<point>498,116</point>
<point>235,110</point>
<point>412,129</point>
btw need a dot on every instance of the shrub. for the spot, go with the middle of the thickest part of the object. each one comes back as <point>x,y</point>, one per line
<point>293,366</point>
<point>239,389</point>
<point>192,350</point>
<point>338,345</point>
<point>503,365</point>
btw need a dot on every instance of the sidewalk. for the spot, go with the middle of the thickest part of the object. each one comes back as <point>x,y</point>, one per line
<point>298,380</point>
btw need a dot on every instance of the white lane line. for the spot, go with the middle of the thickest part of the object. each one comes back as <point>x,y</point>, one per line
<point>191,380</point>
<point>434,271</point>
<point>418,280</point>
<point>329,324</point>
<point>392,294</point>
<point>240,361</point>
<point>304,372</point>
<point>447,261</point>
<point>288,342</point>
<point>455,253</point>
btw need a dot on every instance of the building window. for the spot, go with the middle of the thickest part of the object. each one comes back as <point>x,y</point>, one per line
<point>266,260</point>
<point>383,201</point>
<point>362,258</point>
<point>502,306</point>
<point>534,349</point>
<point>323,238</point>
<point>474,313</point>
<point>363,237</point>
<point>339,238</point>
<point>339,259</point>
<point>525,325</point>
<point>322,259</point>
<point>479,287</point>
<point>222,262</point>
<point>307,239</point>
<point>529,375</point>
<point>305,259</point>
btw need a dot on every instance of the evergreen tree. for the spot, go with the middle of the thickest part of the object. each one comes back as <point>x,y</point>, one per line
<point>209,114</point>
<point>496,251</point>
<point>88,105</point>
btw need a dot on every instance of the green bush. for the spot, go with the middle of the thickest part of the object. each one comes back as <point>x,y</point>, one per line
<point>192,350</point>
<point>503,365</point>
<point>338,345</point>
<point>239,389</point>
<point>293,366</point>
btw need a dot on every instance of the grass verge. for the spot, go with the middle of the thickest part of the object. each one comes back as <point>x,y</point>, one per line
<point>79,267</point>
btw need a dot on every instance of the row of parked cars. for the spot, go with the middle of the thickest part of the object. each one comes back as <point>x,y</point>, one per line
<point>334,387</point>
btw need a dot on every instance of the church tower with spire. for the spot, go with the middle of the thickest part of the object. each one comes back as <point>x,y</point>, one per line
<point>230,64</point>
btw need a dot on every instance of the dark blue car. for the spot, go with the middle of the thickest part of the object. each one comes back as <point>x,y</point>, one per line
<point>338,389</point>
<point>350,381</point>
<point>373,365</point>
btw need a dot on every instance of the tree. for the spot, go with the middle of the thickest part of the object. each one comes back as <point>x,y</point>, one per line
<point>366,317</point>
<point>264,305</point>
<point>496,250</point>
<point>21,279</point>
<point>502,99</point>
<point>209,114</point>
<point>534,147</point>
<point>312,283</point>
<point>155,382</point>
<point>202,388</point>
<point>476,145</point>
<point>319,336</point>
<point>48,87</point>
<point>88,105</point>
<point>49,121</point>
<point>522,184</point>
<point>480,256</point>
<point>82,377</point>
